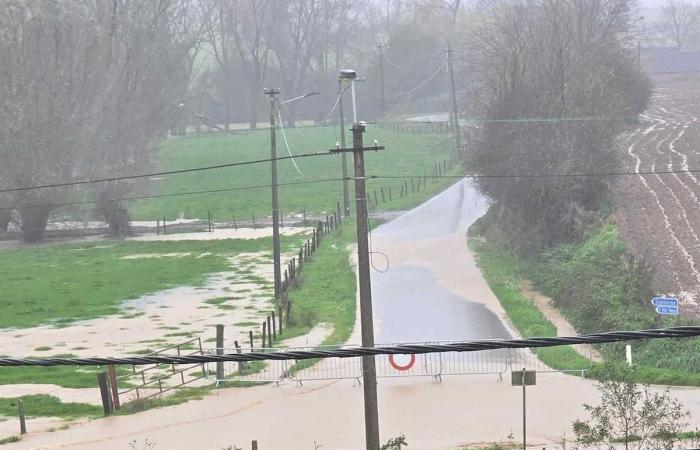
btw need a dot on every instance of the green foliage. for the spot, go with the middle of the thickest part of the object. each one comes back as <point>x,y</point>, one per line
<point>503,272</point>
<point>42,405</point>
<point>597,283</point>
<point>9,440</point>
<point>64,283</point>
<point>631,414</point>
<point>412,154</point>
<point>396,443</point>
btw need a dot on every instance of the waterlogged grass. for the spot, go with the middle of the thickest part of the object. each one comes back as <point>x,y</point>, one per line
<point>47,406</point>
<point>326,291</point>
<point>503,272</point>
<point>64,376</point>
<point>65,283</point>
<point>405,155</point>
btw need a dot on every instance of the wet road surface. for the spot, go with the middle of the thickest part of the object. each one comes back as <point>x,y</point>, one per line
<point>409,302</point>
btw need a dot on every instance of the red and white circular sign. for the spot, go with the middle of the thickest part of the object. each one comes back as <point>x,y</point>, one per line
<point>402,362</point>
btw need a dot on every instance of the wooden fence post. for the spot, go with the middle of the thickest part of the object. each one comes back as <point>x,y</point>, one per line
<point>274,326</point>
<point>279,310</point>
<point>252,344</point>
<point>22,421</point>
<point>269,332</point>
<point>241,365</point>
<point>164,231</point>
<point>264,334</point>
<point>219,351</point>
<point>235,227</point>
<point>104,393</point>
<point>254,445</point>
<point>112,372</point>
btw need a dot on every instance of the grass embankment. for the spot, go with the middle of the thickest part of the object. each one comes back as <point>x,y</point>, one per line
<point>599,287</point>
<point>504,272</point>
<point>405,155</point>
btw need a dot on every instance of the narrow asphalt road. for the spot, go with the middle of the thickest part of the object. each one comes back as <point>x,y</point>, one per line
<point>409,301</point>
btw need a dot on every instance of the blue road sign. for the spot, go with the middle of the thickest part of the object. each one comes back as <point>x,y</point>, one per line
<point>667,310</point>
<point>664,301</point>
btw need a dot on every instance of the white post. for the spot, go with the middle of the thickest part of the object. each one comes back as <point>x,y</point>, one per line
<point>628,354</point>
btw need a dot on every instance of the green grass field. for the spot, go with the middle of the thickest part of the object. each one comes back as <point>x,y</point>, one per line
<point>64,283</point>
<point>405,155</point>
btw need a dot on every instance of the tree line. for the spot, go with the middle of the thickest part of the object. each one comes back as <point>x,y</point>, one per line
<point>90,87</point>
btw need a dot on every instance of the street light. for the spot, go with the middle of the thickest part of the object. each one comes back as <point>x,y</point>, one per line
<point>347,77</point>
<point>274,111</point>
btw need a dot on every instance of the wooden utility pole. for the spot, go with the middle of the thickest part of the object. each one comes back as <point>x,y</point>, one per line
<point>369,371</point>
<point>381,79</point>
<point>275,200</point>
<point>346,194</point>
<point>453,98</point>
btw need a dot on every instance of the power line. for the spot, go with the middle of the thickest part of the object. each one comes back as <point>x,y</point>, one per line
<point>369,177</point>
<point>351,352</point>
<point>421,84</point>
<point>172,194</point>
<point>542,175</point>
<point>155,174</point>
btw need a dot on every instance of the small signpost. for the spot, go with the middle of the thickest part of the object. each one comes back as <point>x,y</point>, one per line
<point>524,378</point>
<point>667,306</point>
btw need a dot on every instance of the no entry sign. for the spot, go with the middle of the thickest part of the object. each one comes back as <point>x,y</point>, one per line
<point>402,362</point>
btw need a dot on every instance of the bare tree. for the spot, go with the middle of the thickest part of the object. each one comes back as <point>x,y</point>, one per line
<point>679,18</point>
<point>86,86</point>
<point>541,63</point>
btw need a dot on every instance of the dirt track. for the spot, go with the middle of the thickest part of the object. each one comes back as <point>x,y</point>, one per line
<point>659,214</point>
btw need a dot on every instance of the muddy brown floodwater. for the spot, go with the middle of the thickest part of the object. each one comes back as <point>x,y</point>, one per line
<point>431,290</point>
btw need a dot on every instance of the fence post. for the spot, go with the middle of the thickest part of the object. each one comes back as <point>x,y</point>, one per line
<point>264,334</point>
<point>104,393</point>
<point>390,193</point>
<point>274,326</point>
<point>235,227</point>
<point>164,232</point>
<point>304,217</point>
<point>252,344</point>
<point>219,351</point>
<point>22,421</point>
<point>253,215</point>
<point>209,219</point>
<point>241,365</point>
<point>269,332</point>
<point>158,226</point>
<point>279,310</point>
<point>382,190</point>
<point>113,383</point>
<point>254,445</point>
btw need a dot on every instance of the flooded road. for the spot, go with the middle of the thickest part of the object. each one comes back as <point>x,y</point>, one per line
<point>432,290</point>
<point>410,304</point>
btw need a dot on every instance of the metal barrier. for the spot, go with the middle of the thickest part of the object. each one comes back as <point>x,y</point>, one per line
<point>156,379</point>
<point>435,365</point>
